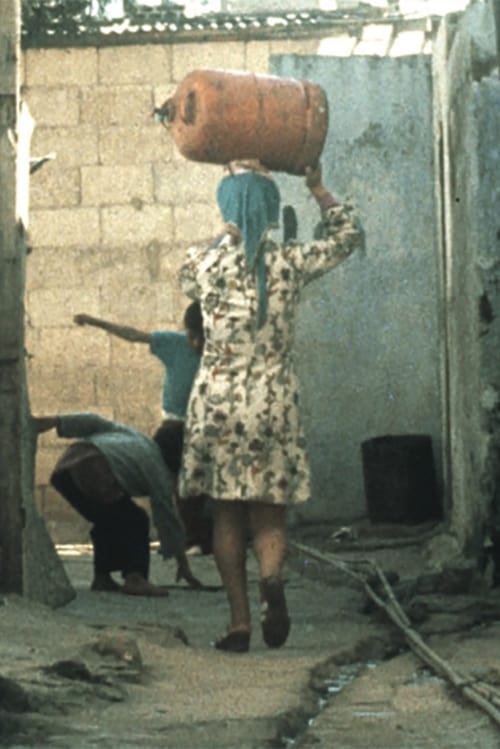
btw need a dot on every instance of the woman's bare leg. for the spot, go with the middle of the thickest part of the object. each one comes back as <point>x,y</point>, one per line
<point>268,526</point>
<point>230,540</point>
<point>268,529</point>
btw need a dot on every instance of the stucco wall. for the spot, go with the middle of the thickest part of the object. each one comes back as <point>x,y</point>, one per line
<point>367,347</point>
<point>468,135</point>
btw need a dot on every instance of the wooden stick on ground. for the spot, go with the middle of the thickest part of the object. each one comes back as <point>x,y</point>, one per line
<point>486,699</point>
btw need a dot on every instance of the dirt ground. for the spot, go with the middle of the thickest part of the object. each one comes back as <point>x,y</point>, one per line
<point>109,670</point>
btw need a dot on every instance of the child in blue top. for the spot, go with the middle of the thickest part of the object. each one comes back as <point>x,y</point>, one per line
<point>179,353</point>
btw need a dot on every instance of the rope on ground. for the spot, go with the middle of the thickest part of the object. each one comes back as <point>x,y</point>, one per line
<point>482,695</point>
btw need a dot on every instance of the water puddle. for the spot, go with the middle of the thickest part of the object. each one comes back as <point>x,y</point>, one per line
<point>329,689</point>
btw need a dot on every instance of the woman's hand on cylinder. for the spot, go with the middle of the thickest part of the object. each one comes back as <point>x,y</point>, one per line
<point>313,177</point>
<point>314,182</point>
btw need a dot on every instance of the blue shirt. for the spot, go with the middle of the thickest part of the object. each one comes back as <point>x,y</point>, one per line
<point>181,364</point>
<point>137,465</point>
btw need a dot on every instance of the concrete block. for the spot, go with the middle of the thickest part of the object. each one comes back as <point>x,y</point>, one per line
<point>186,181</point>
<point>105,185</point>
<point>138,402</point>
<point>52,107</point>
<point>116,105</point>
<point>130,225</point>
<point>64,227</point>
<point>119,297</point>
<point>46,266</point>
<point>147,64</point>
<point>188,57</point>
<point>119,262</point>
<point>60,67</point>
<point>134,145</point>
<point>57,388</point>
<point>257,57</point>
<point>73,146</point>
<point>52,187</point>
<point>46,458</point>
<point>55,307</point>
<point>170,264</point>
<point>170,303</point>
<point>132,354</point>
<point>196,222</point>
<point>162,93</point>
<point>299,47</point>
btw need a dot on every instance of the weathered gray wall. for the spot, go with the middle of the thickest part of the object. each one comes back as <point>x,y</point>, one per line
<point>468,136</point>
<point>367,347</point>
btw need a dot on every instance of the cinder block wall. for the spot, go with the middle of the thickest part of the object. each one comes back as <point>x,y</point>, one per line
<point>111,218</point>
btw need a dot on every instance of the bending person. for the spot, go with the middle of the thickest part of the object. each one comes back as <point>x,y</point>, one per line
<point>98,474</point>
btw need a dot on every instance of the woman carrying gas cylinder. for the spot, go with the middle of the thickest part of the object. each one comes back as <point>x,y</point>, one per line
<point>244,444</point>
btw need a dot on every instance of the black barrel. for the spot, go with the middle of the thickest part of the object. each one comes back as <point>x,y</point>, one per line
<point>400,479</point>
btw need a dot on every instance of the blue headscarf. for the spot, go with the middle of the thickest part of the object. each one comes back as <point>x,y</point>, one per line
<point>251,202</point>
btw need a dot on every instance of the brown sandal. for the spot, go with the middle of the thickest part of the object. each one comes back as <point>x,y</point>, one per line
<point>237,641</point>
<point>274,619</point>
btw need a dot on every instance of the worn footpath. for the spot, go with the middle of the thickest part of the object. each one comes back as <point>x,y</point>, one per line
<point>109,670</point>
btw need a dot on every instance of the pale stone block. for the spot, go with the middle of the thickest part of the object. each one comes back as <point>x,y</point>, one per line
<point>31,337</point>
<point>146,64</point>
<point>126,224</point>
<point>186,182</point>
<point>257,57</point>
<point>46,266</point>
<point>55,307</point>
<point>294,46</point>
<point>52,107</point>
<point>46,459</point>
<point>138,401</point>
<point>187,57</point>
<point>73,146</point>
<point>120,297</point>
<point>104,185</point>
<point>61,67</point>
<point>121,105</point>
<point>52,187</point>
<point>196,222</point>
<point>59,389</point>
<point>118,391</point>
<point>134,145</point>
<point>124,265</point>
<point>63,227</point>
<point>162,93</point>
<point>170,306</point>
<point>47,440</point>
<point>130,353</point>
<point>171,263</point>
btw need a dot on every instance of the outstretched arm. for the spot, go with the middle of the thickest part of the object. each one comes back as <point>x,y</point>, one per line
<point>44,423</point>
<point>121,331</point>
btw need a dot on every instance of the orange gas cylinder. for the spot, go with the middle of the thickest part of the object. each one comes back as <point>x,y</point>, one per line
<point>218,116</point>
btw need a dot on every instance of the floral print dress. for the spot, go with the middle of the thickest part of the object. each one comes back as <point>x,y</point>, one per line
<point>243,438</point>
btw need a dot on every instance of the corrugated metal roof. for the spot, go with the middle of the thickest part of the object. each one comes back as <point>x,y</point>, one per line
<point>64,22</point>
